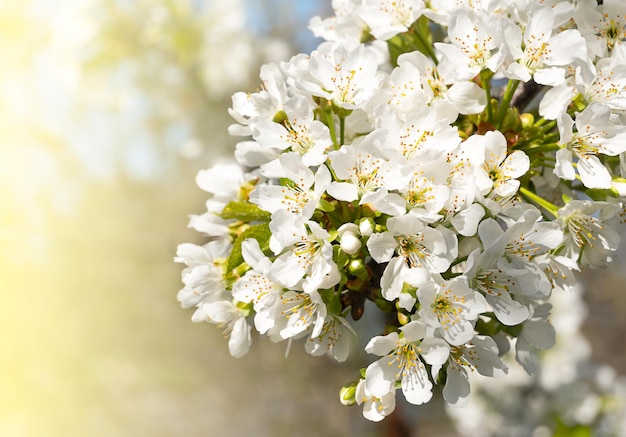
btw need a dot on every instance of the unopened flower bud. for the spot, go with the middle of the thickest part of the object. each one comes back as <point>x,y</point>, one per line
<point>357,268</point>
<point>350,243</point>
<point>527,120</point>
<point>366,227</point>
<point>347,393</point>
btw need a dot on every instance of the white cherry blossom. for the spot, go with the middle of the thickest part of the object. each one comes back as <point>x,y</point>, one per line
<point>587,238</point>
<point>387,18</point>
<point>480,354</point>
<point>596,134</point>
<point>375,408</point>
<point>476,43</point>
<point>402,355</point>
<point>451,307</point>
<point>541,53</point>
<point>347,76</point>
<point>232,320</point>
<point>304,253</point>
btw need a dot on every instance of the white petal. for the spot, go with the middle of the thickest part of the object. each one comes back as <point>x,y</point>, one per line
<point>458,333</point>
<point>416,386</point>
<point>381,246</point>
<point>468,97</point>
<point>240,338</point>
<point>510,312</point>
<point>593,173</point>
<point>564,167</point>
<point>434,350</point>
<point>343,191</point>
<point>524,356</point>
<point>466,221</point>
<point>252,253</point>
<point>539,333</point>
<point>555,101</point>
<point>457,390</point>
<point>381,345</point>
<point>381,375</point>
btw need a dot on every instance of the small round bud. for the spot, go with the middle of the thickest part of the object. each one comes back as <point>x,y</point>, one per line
<point>347,393</point>
<point>350,243</point>
<point>357,268</point>
<point>366,227</point>
<point>527,119</point>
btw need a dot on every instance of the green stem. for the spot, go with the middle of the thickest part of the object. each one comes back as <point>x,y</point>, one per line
<point>547,127</point>
<point>506,101</point>
<point>330,121</point>
<point>540,201</point>
<point>342,128</point>
<point>548,147</point>
<point>427,48</point>
<point>485,77</point>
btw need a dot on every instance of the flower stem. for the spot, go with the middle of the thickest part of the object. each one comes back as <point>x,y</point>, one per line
<point>506,101</point>
<point>427,47</point>
<point>540,201</point>
<point>342,128</point>
<point>548,147</point>
<point>547,127</point>
<point>485,77</point>
<point>330,122</point>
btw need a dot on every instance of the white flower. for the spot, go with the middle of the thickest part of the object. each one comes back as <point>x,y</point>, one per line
<point>333,339</point>
<point>387,18</point>
<point>451,307</point>
<point>427,190</point>
<point>264,104</point>
<point>609,84</point>
<point>257,286</point>
<point>298,132</point>
<point>418,247</point>
<point>304,252</point>
<point>232,320</point>
<point>422,137</point>
<point>300,196</point>
<point>417,244</point>
<point>417,82</point>
<point>596,134</point>
<point>223,181</point>
<point>537,333</point>
<point>476,43</point>
<point>375,408</point>
<point>365,174</point>
<point>510,264</point>
<point>203,275</point>
<point>402,361</point>
<point>345,25</point>
<point>503,170</point>
<point>349,78</point>
<point>603,26</point>
<point>480,354</point>
<point>588,237</point>
<point>467,179</point>
<point>542,54</point>
<point>294,313</point>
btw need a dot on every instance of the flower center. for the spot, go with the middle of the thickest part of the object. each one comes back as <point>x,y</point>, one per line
<point>412,249</point>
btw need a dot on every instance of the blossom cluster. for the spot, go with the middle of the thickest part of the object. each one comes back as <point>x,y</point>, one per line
<point>447,164</point>
<point>568,395</point>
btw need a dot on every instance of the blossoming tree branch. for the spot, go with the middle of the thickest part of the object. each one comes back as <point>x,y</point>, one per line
<point>446,164</point>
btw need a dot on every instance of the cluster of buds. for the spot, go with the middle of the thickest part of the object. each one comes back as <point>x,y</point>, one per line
<point>446,164</point>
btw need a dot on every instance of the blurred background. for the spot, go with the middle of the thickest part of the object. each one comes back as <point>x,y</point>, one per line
<point>108,109</point>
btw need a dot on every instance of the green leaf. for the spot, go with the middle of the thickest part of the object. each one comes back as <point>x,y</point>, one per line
<point>260,232</point>
<point>247,212</point>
